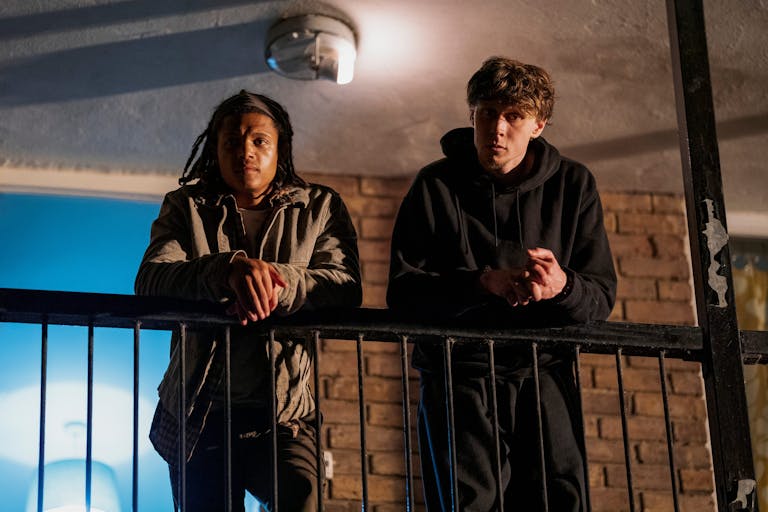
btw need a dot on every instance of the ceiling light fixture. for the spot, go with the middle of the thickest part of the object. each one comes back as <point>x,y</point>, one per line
<point>310,47</point>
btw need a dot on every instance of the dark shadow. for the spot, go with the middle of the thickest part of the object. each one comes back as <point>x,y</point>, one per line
<point>78,18</point>
<point>663,140</point>
<point>130,66</point>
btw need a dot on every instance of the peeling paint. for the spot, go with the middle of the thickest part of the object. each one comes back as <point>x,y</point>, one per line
<point>717,238</point>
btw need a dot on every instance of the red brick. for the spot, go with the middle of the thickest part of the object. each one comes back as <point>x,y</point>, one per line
<point>636,288</point>
<point>675,269</point>
<point>380,488</point>
<point>657,501</point>
<point>376,389</point>
<point>598,360</point>
<point>604,450</point>
<point>372,206</point>
<point>624,202</point>
<point>650,404</point>
<point>596,475</point>
<point>384,365</point>
<point>369,346</point>
<point>591,426</point>
<point>610,223</point>
<point>669,246</point>
<point>374,296</point>
<point>346,186</point>
<point>376,228</point>
<point>644,476</point>
<point>697,503</point>
<point>385,187</point>
<point>669,363</point>
<point>600,402</point>
<point>617,314</point>
<point>651,223</point>
<point>640,428</point>
<point>686,383</point>
<point>339,411</point>
<point>630,245</point>
<point>609,500</point>
<point>696,480</point>
<point>341,505</point>
<point>389,415</point>
<point>376,438</point>
<point>659,312</point>
<point>391,463</point>
<point>374,250</point>
<point>693,456</point>
<point>663,203</point>
<point>375,272</point>
<point>635,379</point>
<point>690,431</point>
<point>338,363</point>
<point>675,290</point>
<point>346,462</point>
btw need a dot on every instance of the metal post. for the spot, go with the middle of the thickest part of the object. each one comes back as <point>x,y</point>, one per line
<point>721,358</point>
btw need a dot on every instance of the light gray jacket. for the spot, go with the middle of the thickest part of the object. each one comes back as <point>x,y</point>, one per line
<point>311,241</point>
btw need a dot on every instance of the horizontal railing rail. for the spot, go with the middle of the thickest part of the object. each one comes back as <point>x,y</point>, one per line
<point>110,310</point>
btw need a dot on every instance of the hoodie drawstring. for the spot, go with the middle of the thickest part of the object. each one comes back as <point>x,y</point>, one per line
<point>495,222</point>
<point>519,223</point>
<point>462,227</point>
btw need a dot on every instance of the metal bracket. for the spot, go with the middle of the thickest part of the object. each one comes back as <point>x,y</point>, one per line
<point>745,496</point>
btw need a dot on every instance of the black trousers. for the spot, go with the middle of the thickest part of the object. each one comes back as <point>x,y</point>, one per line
<point>521,476</point>
<point>251,467</point>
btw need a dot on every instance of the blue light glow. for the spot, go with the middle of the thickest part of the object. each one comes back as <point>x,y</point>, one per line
<point>77,244</point>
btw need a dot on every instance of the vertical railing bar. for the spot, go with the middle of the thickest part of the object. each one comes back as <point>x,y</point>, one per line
<point>228,413</point>
<point>668,422</point>
<point>182,417</point>
<point>406,423</point>
<point>625,431</point>
<point>448,375</point>
<point>89,423</point>
<point>318,423</point>
<point>361,399</point>
<point>540,423</point>
<point>495,411</point>
<point>273,412</point>
<point>43,392</point>
<point>582,433</point>
<point>135,463</point>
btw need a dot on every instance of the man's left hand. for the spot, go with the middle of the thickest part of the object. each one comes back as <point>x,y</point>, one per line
<point>546,278</point>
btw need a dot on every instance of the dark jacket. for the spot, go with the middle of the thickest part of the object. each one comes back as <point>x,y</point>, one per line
<point>456,221</point>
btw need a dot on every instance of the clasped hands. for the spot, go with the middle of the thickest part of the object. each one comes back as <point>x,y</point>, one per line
<point>542,278</point>
<point>256,285</point>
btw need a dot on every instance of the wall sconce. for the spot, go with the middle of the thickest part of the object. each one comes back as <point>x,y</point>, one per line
<point>310,47</point>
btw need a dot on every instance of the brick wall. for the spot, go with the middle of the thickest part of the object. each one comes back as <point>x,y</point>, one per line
<point>648,238</point>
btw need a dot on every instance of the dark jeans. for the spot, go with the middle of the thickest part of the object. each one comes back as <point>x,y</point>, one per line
<point>251,467</point>
<point>520,456</point>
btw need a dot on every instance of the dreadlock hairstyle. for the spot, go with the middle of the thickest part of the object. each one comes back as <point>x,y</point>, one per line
<point>206,167</point>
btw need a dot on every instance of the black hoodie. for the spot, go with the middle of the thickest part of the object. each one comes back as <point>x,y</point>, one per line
<point>456,221</point>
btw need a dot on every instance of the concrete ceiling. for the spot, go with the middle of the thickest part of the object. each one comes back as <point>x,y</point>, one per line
<point>126,86</point>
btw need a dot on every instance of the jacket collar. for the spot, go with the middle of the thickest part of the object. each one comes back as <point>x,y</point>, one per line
<point>289,195</point>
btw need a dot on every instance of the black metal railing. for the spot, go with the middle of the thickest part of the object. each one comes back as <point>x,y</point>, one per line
<point>362,326</point>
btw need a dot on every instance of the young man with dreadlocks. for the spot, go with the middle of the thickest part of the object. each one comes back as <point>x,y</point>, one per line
<point>503,232</point>
<point>245,229</point>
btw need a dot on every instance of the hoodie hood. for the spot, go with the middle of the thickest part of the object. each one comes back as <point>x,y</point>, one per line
<point>458,146</point>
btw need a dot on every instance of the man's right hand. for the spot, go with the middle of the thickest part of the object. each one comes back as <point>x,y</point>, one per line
<point>509,284</point>
<point>257,285</point>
